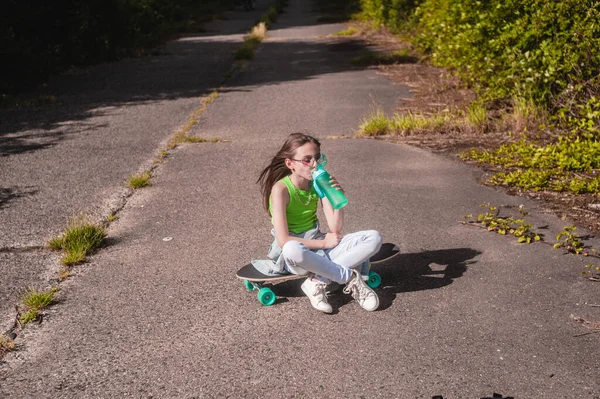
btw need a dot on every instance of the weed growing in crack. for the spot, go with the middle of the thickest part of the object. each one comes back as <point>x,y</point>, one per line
<point>346,32</point>
<point>35,301</point>
<point>248,49</point>
<point>198,139</point>
<point>181,135</point>
<point>80,239</point>
<point>592,272</point>
<point>517,227</point>
<point>507,225</point>
<point>6,345</point>
<point>569,240</point>
<point>64,274</point>
<point>140,180</point>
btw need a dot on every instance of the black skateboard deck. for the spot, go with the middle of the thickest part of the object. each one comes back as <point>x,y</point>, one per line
<point>253,278</point>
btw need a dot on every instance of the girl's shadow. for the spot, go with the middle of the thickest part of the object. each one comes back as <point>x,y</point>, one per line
<point>404,273</point>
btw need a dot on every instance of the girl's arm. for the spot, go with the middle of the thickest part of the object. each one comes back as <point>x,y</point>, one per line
<point>280,198</point>
<point>335,219</point>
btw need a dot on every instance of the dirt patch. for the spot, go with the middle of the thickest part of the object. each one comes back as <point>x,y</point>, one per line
<point>439,90</point>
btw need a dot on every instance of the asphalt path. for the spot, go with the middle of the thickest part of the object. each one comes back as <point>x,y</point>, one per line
<point>75,156</point>
<point>464,313</point>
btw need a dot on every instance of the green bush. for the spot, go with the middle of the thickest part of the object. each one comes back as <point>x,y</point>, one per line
<point>533,49</point>
<point>539,50</point>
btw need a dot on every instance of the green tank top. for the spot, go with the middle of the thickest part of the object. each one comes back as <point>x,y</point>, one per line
<point>301,212</point>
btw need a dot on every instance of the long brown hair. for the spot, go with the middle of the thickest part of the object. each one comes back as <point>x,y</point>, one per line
<point>277,170</point>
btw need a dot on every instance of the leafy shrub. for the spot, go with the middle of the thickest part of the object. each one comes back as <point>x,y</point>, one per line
<point>538,50</point>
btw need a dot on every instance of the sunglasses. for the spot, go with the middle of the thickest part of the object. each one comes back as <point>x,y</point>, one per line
<point>308,161</point>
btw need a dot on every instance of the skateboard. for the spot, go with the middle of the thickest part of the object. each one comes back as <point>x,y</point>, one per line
<point>255,280</point>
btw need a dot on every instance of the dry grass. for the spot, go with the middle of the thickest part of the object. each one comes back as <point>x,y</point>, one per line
<point>6,345</point>
<point>258,32</point>
<point>181,135</point>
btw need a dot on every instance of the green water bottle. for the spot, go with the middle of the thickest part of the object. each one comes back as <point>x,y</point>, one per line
<point>324,188</point>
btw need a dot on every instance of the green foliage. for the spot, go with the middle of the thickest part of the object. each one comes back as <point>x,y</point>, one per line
<point>393,13</point>
<point>569,239</point>
<point>564,165</point>
<point>542,51</point>
<point>507,225</point>
<point>585,120</point>
<point>527,48</point>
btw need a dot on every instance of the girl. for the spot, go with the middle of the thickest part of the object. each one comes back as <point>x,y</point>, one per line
<point>299,246</point>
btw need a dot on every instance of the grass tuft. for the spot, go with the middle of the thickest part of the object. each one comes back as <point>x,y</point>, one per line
<point>402,124</point>
<point>375,125</point>
<point>140,180</point>
<point>39,300</point>
<point>56,243</point>
<point>248,49</point>
<point>198,139</point>
<point>270,16</point>
<point>181,135</point>
<point>29,316</point>
<point>527,116</point>
<point>346,32</point>
<point>6,344</point>
<point>79,240</point>
<point>477,117</point>
<point>64,274</point>
<point>372,58</point>
<point>405,124</point>
<point>259,31</point>
<point>35,301</point>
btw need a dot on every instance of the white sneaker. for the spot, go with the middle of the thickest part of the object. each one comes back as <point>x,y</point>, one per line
<point>315,291</point>
<point>361,292</point>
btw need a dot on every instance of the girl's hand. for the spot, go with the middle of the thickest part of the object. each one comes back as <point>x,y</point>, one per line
<point>335,184</point>
<point>331,240</point>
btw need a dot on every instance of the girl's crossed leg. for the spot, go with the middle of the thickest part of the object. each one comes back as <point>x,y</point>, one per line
<point>340,265</point>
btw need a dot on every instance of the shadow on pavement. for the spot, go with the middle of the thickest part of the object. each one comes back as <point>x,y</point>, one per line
<point>9,194</point>
<point>405,273</point>
<point>191,67</point>
<point>422,271</point>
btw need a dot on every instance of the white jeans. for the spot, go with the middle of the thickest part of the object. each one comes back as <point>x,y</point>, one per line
<point>352,251</point>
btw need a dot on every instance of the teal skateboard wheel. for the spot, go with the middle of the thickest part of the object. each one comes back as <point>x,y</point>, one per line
<point>266,296</point>
<point>374,280</point>
<point>249,286</point>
